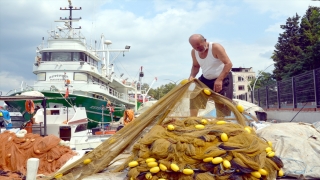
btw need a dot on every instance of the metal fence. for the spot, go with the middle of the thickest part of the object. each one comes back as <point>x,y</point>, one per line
<point>297,92</point>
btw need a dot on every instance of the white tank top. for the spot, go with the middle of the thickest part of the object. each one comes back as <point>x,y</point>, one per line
<point>211,67</point>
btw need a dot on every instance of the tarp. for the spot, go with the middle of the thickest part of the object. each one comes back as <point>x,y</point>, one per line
<point>297,145</point>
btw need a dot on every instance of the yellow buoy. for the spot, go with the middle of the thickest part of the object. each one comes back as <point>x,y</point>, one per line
<point>224,137</point>
<point>162,167</point>
<point>133,164</point>
<point>187,171</point>
<point>199,126</point>
<point>268,149</point>
<point>86,161</point>
<point>185,81</point>
<point>270,143</point>
<point>240,108</point>
<point>58,176</point>
<point>263,172</point>
<point>217,160</point>
<point>150,160</point>
<point>152,164</point>
<point>280,173</point>
<point>226,163</point>
<point>204,121</point>
<point>148,176</point>
<point>221,122</point>
<point>256,174</point>
<point>207,91</point>
<point>155,169</point>
<point>174,167</point>
<point>247,129</point>
<point>170,127</point>
<point>208,159</point>
<point>271,154</point>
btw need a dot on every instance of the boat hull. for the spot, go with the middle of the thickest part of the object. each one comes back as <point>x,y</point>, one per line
<point>93,107</point>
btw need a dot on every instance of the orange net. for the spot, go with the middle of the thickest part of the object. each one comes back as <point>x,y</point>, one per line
<point>16,149</point>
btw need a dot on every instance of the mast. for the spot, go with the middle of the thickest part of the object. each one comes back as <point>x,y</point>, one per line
<point>70,15</point>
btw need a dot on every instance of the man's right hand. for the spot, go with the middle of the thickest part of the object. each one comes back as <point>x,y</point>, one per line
<point>191,78</point>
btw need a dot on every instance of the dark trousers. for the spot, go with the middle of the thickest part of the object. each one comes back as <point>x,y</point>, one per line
<point>227,85</point>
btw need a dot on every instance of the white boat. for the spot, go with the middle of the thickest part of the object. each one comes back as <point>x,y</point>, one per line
<point>71,72</point>
<point>70,124</point>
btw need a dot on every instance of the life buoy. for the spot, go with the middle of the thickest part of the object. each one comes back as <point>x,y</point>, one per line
<point>128,116</point>
<point>29,105</point>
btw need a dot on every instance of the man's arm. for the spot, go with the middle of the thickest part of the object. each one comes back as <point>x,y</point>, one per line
<point>219,52</point>
<point>195,66</point>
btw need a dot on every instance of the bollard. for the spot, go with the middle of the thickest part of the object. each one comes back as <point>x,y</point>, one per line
<point>32,168</point>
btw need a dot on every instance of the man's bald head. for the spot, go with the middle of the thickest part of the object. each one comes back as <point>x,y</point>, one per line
<point>198,42</point>
<point>196,37</point>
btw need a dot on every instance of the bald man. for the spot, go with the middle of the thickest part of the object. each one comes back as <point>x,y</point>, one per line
<point>215,65</point>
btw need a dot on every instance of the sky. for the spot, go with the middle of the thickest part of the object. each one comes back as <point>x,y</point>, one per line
<point>157,31</point>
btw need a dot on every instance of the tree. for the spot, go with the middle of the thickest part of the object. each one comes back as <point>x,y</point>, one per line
<point>159,92</point>
<point>298,47</point>
<point>264,79</point>
<point>310,39</point>
<point>287,49</point>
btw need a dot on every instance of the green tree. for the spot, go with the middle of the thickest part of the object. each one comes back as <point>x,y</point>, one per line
<point>159,92</point>
<point>310,40</point>
<point>287,49</point>
<point>298,47</point>
<point>264,79</point>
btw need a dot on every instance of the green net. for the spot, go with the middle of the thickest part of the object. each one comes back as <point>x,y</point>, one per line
<point>166,142</point>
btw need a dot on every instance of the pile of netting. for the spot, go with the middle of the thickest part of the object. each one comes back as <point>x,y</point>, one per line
<point>17,148</point>
<point>202,149</point>
<point>165,142</point>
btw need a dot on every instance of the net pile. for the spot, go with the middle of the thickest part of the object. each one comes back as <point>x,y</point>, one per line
<point>189,152</point>
<point>16,149</point>
<point>186,145</point>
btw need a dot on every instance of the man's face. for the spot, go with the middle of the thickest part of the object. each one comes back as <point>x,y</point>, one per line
<point>200,46</point>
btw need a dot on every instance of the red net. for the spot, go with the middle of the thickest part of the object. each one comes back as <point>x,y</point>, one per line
<point>16,150</point>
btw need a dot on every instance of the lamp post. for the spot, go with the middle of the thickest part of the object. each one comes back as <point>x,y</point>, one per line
<point>175,82</point>
<point>254,84</point>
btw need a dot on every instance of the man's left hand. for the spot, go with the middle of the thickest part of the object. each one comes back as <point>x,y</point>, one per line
<point>217,87</point>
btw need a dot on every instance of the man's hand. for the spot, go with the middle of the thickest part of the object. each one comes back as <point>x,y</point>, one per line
<point>217,87</point>
<point>191,78</point>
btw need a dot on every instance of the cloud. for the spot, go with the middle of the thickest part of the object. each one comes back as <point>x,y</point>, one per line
<point>275,28</point>
<point>158,34</point>
<point>283,8</point>
<point>11,82</point>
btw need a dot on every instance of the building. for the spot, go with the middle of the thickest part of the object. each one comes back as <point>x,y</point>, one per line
<point>241,82</point>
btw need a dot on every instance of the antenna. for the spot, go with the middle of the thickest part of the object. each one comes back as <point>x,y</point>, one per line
<point>70,14</point>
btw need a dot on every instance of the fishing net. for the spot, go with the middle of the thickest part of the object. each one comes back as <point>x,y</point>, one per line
<point>16,149</point>
<point>215,144</point>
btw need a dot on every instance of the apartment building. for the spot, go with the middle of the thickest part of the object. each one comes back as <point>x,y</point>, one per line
<point>241,82</point>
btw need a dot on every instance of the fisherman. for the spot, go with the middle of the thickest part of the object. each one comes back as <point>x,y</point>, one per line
<point>215,65</point>
<point>6,118</point>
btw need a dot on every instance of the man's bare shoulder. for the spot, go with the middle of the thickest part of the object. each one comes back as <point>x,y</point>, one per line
<point>217,46</point>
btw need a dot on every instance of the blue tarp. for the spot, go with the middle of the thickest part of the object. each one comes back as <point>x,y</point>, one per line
<point>6,118</point>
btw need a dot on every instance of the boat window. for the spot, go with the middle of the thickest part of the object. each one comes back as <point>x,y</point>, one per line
<point>41,76</point>
<point>80,76</point>
<point>46,56</point>
<point>63,56</point>
<point>81,127</point>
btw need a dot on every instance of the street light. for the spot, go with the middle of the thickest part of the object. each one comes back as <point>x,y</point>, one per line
<point>254,84</point>
<point>175,82</point>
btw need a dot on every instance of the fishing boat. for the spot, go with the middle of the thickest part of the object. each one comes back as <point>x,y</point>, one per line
<point>69,72</point>
<point>67,123</point>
